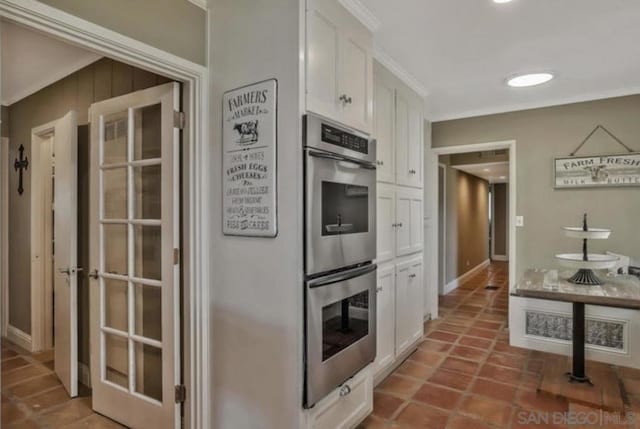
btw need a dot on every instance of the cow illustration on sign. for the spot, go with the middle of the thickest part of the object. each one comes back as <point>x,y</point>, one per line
<point>247,132</point>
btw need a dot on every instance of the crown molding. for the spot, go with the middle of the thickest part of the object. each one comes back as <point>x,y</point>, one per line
<point>364,15</point>
<point>200,3</point>
<point>518,107</point>
<point>383,58</point>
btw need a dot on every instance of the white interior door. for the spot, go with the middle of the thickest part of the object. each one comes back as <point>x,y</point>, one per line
<point>65,251</point>
<point>135,341</point>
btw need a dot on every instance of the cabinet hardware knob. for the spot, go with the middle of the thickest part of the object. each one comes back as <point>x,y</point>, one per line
<point>345,390</point>
<point>345,99</point>
<point>380,163</point>
<point>399,225</point>
<point>379,289</point>
<point>412,171</point>
<point>94,274</point>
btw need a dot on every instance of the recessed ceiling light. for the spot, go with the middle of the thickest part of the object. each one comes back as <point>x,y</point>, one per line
<point>486,170</point>
<point>531,79</point>
<point>501,1</point>
<point>503,177</point>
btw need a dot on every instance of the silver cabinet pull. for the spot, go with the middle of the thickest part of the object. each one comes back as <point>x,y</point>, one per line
<point>345,390</point>
<point>411,276</point>
<point>399,225</point>
<point>94,274</point>
<point>412,171</point>
<point>66,271</point>
<point>379,289</point>
<point>345,99</point>
<point>380,163</point>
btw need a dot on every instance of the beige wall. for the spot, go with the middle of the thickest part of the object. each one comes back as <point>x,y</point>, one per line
<point>256,290</point>
<point>175,26</point>
<point>98,81</point>
<point>4,130</point>
<point>541,135</point>
<point>467,223</point>
<point>500,215</point>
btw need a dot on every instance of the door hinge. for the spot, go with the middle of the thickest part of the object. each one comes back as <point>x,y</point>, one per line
<point>179,120</point>
<point>181,393</point>
<point>176,256</point>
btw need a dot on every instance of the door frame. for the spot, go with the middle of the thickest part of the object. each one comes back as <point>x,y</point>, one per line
<point>443,261</point>
<point>510,145</point>
<point>195,187</point>
<point>494,255</point>
<point>4,235</point>
<point>41,236</point>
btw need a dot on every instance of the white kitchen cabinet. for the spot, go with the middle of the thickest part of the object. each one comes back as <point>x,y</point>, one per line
<point>408,126</point>
<point>345,407</point>
<point>409,230</point>
<point>409,292</point>
<point>384,131</point>
<point>386,220</point>
<point>339,65</point>
<point>385,318</point>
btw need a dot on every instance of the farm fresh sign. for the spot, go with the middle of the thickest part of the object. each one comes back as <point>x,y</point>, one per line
<point>249,160</point>
<point>598,171</point>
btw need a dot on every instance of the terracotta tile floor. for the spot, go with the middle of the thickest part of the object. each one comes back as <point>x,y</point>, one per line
<point>32,396</point>
<point>465,375</point>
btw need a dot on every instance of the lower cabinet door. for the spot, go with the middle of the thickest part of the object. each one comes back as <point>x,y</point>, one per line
<point>415,291</point>
<point>345,407</point>
<point>385,318</point>
<point>402,307</point>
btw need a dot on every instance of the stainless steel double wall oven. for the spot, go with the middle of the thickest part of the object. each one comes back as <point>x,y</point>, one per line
<point>340,246</point>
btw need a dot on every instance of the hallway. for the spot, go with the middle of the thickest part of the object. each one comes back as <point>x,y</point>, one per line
<point>32,396</point>
<point>466,376</point>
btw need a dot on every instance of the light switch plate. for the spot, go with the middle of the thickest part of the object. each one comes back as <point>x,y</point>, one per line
<point>519,220</point>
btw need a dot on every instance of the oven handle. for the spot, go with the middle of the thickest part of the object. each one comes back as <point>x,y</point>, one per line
<point>340,277</point>
<point>368,166</point>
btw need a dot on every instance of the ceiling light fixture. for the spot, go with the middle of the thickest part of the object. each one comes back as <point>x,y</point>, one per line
<point>530,79</point>
<point>486,170</point>
<point>503,177</point>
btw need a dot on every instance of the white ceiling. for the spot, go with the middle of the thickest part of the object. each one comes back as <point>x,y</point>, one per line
<point>492,172</point>
<point>31,61</point>
<point>461,51</point>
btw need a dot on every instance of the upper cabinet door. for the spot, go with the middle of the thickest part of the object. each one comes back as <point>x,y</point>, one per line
<point>408,221</point>
<point>386,230</point>
<point>356,82</point>
<point>402,141</point>
<point>415,144</point>
<point>339,64</point>
<point>409,124</point>
<point>322,62</point>
<point>384,112</point>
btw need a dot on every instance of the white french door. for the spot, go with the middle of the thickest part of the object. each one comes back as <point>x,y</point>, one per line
<point>135,341</point>
<point>65,253</point>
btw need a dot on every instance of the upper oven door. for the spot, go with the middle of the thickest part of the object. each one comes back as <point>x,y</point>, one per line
<point>340,212</point>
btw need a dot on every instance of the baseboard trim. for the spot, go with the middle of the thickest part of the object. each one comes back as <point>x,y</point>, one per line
<point>453,285</point>
<point>84,374</point>
<point>501,258</point>
<point>19,338</point>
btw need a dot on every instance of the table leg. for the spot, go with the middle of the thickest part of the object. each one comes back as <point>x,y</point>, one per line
<point>577,374</point>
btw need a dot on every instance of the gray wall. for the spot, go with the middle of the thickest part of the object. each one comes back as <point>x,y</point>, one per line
<point>256,290</point>
<point>467,226</point>
<point>175,26</point>
<point>541,135</point>
<point>98,81</point>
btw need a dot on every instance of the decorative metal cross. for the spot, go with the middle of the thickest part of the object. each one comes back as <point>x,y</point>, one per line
<point>21,164</point>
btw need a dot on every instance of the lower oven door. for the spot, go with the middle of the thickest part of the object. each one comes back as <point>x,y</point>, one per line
<point>340,329</point>
<point>340,212</point>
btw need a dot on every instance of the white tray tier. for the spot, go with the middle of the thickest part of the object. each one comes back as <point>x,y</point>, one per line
<point>591,233</point>
<point>596,261</point>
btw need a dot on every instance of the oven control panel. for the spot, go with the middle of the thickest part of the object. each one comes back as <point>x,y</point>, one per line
<point>344,139</point>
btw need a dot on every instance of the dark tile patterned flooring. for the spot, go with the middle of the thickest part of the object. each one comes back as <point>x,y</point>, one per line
<point>465,375</point>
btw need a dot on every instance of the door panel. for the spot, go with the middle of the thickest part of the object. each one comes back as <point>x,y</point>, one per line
<point>415,291</point>
<point>402,308</point>
<point>355,82</point>
<point>417,223</point>
<point>386,234</point>
<point>386,316</point>
<point>135,293</point>
<point>322,62</point>
<point>403,223</point>
<point>65,238</point>
<point>384,133</point>
<point>415,146</point>
<point>402,141</point>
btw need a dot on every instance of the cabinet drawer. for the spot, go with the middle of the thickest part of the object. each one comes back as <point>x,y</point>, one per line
<point>346,410</point>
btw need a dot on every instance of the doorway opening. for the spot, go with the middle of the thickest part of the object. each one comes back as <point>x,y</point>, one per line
<point>95,237</point>
<point>473,199</point>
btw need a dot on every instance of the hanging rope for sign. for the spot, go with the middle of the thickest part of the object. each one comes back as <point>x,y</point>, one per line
<point>600,127</point>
